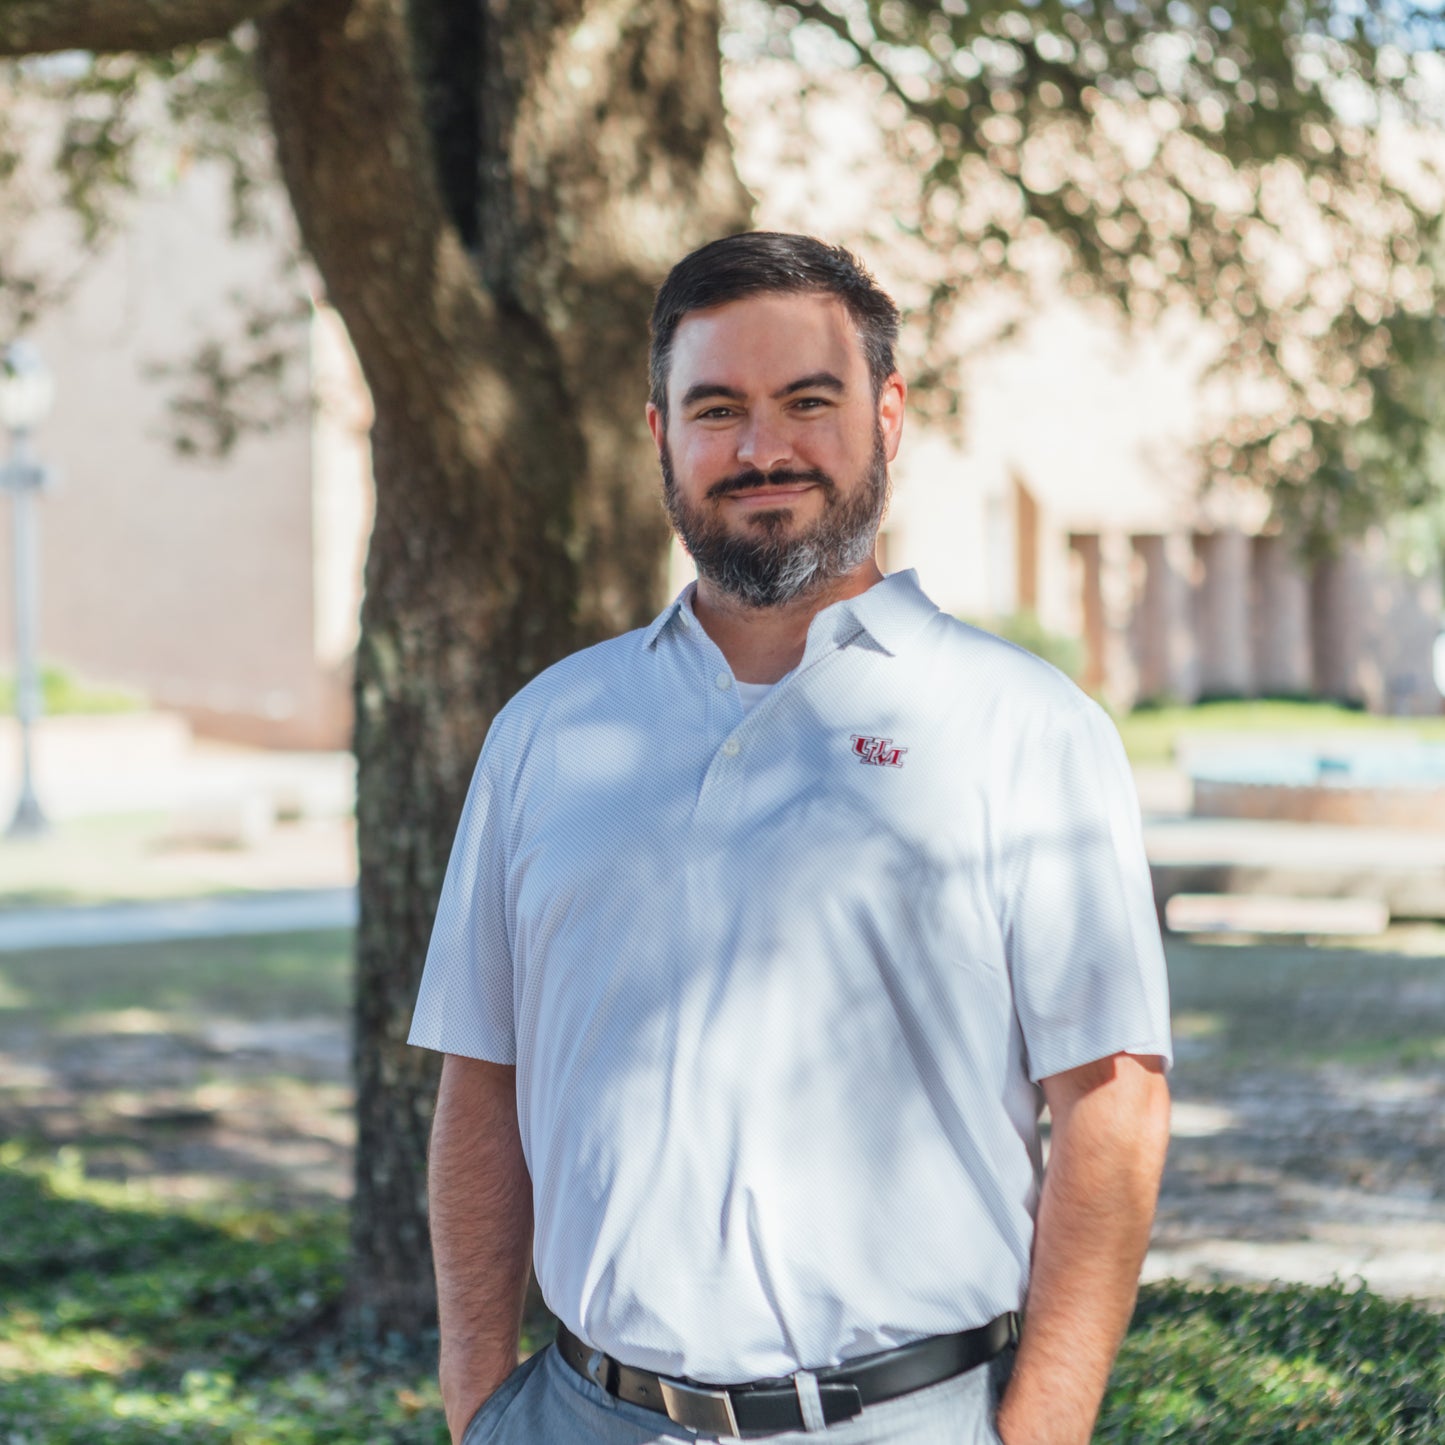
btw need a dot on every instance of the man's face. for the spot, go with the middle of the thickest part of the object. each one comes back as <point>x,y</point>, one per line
<point>775,453</point>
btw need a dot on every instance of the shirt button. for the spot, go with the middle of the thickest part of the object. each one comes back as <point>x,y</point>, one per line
<point>724,681</point>
<point>731,748</point>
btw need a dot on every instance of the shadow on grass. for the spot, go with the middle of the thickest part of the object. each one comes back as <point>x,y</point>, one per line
<point>1266,1367</point>
<point>1307,1087</point>
<point>126,1320</point>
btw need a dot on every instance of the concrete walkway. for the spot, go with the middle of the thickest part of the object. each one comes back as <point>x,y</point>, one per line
<point>156,835</point>
<point>294,911</point>
<point>1403,868</point>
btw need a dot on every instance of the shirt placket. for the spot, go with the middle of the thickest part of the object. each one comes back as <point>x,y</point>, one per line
<point>732,735</point>
<point>720,797</point>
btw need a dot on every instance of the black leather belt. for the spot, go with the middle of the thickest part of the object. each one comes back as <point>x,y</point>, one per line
<point>766,1407</point>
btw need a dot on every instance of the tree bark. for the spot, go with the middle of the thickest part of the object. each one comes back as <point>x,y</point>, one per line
<point>40,27</point>
<point>516,513</point>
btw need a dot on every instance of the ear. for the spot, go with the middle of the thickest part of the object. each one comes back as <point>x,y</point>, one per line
<point>891,402</point>
<point>656,426</point>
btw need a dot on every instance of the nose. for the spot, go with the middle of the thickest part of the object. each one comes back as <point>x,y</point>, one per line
<point>764,443</point>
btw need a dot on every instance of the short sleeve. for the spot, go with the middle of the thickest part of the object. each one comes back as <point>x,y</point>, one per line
<point>1085,957</point>
<point>464,1005</point>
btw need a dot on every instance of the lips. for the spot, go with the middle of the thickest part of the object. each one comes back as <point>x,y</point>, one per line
<point>781,485</point>
<point>764,495</point>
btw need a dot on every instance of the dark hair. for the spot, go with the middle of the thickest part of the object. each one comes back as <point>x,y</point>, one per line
<point>759,261</point>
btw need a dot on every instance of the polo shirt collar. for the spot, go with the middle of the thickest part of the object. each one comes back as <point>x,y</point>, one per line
<point>681,604</point>
<point>887,615</point>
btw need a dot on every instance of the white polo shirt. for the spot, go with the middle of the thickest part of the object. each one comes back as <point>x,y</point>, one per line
<point>778,986</point>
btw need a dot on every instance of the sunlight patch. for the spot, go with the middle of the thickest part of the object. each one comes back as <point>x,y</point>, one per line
<point>32,1351</point>
<point>123,1021</point>
<point>1199,1121</point>
<point>12,996</point>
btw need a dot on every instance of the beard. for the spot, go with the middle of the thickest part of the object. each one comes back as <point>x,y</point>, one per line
<point>765,566</point>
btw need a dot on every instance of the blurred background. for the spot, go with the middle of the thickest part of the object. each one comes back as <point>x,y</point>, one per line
<point>325,340</point>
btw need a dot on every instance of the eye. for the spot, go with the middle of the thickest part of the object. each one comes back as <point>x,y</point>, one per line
<point>810,403</point>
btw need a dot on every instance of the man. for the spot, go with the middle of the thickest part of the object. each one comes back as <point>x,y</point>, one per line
<point>767,932</point>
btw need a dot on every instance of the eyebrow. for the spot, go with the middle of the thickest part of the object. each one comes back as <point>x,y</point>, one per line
<point>705,389</point>
<point>814,381</point>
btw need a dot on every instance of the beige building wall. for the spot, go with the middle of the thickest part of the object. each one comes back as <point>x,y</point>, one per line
<point>224,588</point>
<point>342,508</point>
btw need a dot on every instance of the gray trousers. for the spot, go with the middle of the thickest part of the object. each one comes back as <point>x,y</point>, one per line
<point>544,1401</point>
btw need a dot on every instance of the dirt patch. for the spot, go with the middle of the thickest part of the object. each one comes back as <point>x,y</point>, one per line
<point>1309,1129</point>
<point>1309,1132</point>
<point>234,1105</point>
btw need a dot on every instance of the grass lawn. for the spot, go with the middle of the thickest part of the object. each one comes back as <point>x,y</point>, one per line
<point>1150,733</point>
<point>60,692</point>
<point>155,1285</point>
<point>278,977</point>
<point>1378,1003</point>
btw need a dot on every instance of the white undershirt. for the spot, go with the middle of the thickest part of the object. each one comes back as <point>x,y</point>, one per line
<point>750,694</point>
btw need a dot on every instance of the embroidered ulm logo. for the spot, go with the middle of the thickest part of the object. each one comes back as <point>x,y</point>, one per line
<point>880,752</point>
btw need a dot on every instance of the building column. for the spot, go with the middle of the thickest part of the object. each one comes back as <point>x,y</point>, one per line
<point>1162,627</point>
<point>1026,547</point>
<point>1118,585</point>
<point>1085,547</point>
<point>1402,622</point>
<point>1222,610</point>
<point>1280,616</point>
<point>1337,610</point>
<point>1106,604</point>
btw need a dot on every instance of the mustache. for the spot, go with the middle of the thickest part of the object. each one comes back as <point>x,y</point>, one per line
<point>752,479</point>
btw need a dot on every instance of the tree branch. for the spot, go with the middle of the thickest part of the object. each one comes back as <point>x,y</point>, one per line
<point>40,27</point>
<point>357,161</point>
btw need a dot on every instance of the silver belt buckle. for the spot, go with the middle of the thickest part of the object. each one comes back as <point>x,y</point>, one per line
<point>699,1409</point>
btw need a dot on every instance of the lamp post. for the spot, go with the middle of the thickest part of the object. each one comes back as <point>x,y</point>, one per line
<point>26,391</point>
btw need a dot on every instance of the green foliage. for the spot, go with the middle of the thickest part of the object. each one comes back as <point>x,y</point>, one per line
<point>1235,159</point>
<point>226,389</point>
<point>1304,1366</point>
<point>129,1320</point>
<point>80,135</point>
<point>131,1316</point>
<point>1391,462</point>
<point>123,114</point>
<point>1150,733</point>
<point>1240,161</point>
<point>1025,630</point>
<point>62,692</point>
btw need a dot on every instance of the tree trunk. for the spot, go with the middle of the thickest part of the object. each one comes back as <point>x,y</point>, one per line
<point>499,314</point>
